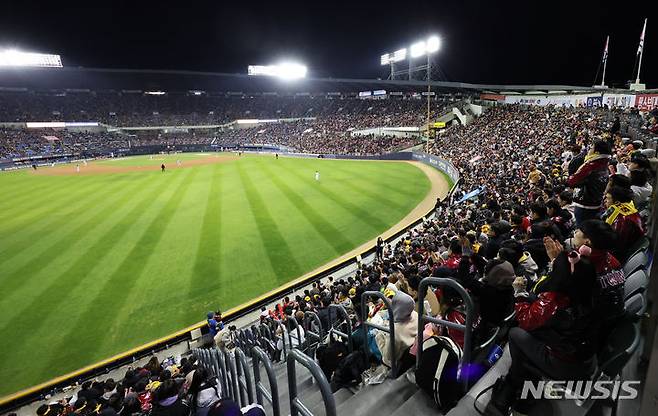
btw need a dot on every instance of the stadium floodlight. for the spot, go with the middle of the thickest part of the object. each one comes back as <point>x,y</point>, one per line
<point>155,93</point>
<point>285,70</point>
<point>400,55</point>
<point>386,59</point>
<point>12,57</point>
<point>418,49</point>
<point>433,44</point>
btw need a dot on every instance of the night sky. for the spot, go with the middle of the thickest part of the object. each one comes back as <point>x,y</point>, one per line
<point>502,42</point>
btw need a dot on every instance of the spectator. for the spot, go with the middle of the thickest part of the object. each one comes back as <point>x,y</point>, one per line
<point>589,181</point>
<point>624,218</point>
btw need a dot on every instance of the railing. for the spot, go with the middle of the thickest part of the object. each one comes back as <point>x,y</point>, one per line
<point>313,337</point>
<point>390,330</point>
<point>233,373</point>
<point>244,378</point>
<point>340,309</point>
<point>467,328</point>
<point>272,395</point>
<point>296,405</point>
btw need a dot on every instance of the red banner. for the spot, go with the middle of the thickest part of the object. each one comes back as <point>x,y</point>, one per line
<point>492,97</point>
<point>646,102</point>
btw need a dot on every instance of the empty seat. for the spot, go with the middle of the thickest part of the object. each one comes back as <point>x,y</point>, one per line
<point>620,346</point>
<point>635,305</point>
<point>637,262</point>
<point>636,282</point>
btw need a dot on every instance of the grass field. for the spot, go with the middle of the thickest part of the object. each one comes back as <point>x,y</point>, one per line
<point>92,265</point>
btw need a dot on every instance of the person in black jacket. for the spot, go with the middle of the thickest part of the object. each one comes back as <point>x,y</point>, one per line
<point>590,181</point>
<point>560,217</point>
<point>555,333</point>
<point>166,401</point>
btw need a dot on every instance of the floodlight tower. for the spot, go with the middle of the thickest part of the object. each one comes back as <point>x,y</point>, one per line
<point>424,47</point>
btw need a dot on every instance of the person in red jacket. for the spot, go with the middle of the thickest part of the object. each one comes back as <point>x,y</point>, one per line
<point>555,334</point>
<point>590,181</point>
<point>622,215</point>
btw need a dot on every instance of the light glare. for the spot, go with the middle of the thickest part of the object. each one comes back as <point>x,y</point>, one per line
<point>433,44</point>
<point>418,49</point>
<point>286,70</point>
<point>12,57</point>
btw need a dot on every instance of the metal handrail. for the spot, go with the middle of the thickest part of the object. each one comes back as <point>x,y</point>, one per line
<point>310,335</point>
<point>235,389</point>
<point>390,330</point>
<point>244,377</point>
<point>272,395</point>
<point>293,320</point>
<point>283,337</point>
<point>467,328</point>
<point>221,364</point>
<point>296,405</point>
<point>348,336</point>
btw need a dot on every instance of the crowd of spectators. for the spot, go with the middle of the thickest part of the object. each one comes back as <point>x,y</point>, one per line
<point>317,125</point>
<point>173,387</point>
<point>140,109</point>
<point>562,204</point>
<point>29,143</point>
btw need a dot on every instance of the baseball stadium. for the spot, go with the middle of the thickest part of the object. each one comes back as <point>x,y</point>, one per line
<point>279,241</point>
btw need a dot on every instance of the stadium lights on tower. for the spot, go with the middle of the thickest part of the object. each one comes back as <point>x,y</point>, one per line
<point>285,70</point>
<point>12,57</point>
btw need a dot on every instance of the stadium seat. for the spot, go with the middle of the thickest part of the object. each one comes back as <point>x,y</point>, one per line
<point>636,282</point>
<point>635,305</point>
<point>641,245</point>
<point>619,348</point>
<point>637,262</point>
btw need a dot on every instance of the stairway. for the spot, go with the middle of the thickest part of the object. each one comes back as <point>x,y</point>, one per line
<point>395,397</point>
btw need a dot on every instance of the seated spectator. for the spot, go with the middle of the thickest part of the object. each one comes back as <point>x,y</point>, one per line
<point>560,217</point>
<point>493,293</point>
<point>228,407</point>
<point>641,188</point>
<point>565,198</point>
<point>202,391</point>
<point>624,219</point>
<point>553,333</point>
<point>166,401</point>
<point>608,291</point>
<point>406,328</point>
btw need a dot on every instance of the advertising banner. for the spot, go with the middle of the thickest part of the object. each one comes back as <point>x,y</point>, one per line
<point>646,102</point>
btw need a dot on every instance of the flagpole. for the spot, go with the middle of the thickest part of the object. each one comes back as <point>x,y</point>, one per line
<point>641,50</point>
<point>605,60</point>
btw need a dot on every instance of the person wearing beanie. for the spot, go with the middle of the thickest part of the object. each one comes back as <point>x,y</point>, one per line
<point>406,328</point>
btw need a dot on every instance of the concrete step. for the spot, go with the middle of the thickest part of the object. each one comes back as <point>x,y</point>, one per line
<point>340,397</point>
<point>418,404</point>
<point>380,399</point>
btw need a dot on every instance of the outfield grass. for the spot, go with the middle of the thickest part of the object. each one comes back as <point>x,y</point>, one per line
<point>94,265</point>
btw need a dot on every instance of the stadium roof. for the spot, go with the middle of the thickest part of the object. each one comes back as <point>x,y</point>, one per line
<point>182,81</point>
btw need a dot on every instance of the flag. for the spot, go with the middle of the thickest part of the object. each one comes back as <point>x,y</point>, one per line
<point>605,50</point>
<point>641,45</point>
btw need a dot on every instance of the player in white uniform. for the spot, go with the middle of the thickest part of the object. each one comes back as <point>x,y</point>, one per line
<point>77,168</point>
<point>178,162</point>
<point>85,162</point>
<point>317,175</point>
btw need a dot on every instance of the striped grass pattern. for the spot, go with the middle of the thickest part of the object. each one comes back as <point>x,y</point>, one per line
<point>93,265</point>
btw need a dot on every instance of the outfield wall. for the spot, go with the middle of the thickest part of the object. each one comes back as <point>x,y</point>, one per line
<point>38,392</point>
